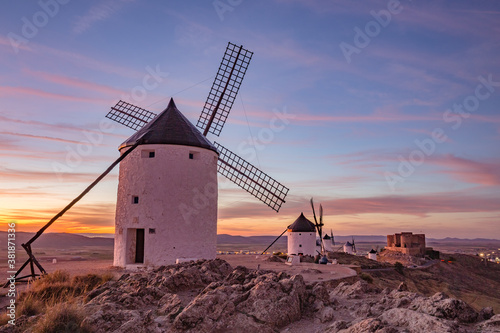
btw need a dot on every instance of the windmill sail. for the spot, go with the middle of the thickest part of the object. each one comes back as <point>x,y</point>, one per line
<point>130,115</point>
<point>224,89</point>
<point>212,119</point>
<point>251,179</point>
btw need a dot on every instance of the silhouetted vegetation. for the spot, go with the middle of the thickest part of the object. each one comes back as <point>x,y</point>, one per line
<point>399,267</point>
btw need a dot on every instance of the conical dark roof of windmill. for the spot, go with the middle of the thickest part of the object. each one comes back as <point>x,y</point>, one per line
<point>327,237</point>
<point>372,251</point>
<point>348,244</point>
<point>172,128</point>
<point>302,224</point>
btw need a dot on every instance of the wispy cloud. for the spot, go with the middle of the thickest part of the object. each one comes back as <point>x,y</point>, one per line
<point>25,91</point>
<point>43,137</point>
<point>76,83</point>
<point>413,205</point>
<point>470,171</point>
<point>100,12</point>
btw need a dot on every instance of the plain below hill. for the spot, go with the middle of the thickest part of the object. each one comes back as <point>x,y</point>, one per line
<point>56,240</point>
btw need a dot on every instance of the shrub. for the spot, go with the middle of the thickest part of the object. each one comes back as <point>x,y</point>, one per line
<point>4,319</point>
<point>61,318</point>
<point>367,277</point>
<point>399,267</point>
<point>84,283</point>
<point>55,277</point>
<point>57,287</point>
<point>30,306</point>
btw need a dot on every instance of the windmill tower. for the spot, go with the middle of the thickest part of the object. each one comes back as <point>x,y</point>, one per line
<point>157,203</point>
<point>327,242</point>
<point>348,248</point>
<point>302,237</point>
<point>167,193</point>
<point>372,255</point>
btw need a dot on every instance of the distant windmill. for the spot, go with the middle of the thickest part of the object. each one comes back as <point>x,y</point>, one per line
<point>353,245</point>
<point>319,226</point>
<point>161,138</point>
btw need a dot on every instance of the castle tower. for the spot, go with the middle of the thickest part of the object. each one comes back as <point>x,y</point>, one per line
<point>301,236</point>
<point>167,194</point>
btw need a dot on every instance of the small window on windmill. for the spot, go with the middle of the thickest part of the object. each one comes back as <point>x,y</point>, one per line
<point>135,199</point>
<point>300,245</point>
<point>148,153</point>
<point>193,155</point>
<point>152,231</point>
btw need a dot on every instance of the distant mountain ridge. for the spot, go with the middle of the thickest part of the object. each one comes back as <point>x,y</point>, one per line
<point>67,240</point>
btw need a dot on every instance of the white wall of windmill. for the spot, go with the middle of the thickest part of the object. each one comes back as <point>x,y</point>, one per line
<point>301,242</point>
<point>372,256</point>
<point>327,243</point>
<point>348,249</point>
<point>176,205</point>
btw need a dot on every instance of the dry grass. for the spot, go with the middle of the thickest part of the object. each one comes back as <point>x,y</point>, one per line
<point>61,318</point>
<point>57,287</point>
<point>4,319</point>
<point>56,297</point>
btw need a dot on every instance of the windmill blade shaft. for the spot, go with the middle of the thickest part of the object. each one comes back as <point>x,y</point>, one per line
<point>221,95</point>
<point>224,89</point>
<point>250,178</point>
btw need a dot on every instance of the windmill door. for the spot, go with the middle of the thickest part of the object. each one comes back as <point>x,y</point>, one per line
<point>139,246</point>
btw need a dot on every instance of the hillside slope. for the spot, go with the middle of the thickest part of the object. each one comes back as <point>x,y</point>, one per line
<point>466,278</point>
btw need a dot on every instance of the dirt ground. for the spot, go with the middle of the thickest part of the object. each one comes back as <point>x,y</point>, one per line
<point>310,272</point>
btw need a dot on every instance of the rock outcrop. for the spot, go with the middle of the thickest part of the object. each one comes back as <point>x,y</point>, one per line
<point>211,296</point>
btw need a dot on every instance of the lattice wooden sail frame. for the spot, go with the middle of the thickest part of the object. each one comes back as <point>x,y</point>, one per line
<point>213,116</point>
<point>130,115</point>
<point>224,89</point>
<point>250,178</point>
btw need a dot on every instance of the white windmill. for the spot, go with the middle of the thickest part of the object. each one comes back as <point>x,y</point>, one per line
<point>157,218</point>
<point>167,194</point>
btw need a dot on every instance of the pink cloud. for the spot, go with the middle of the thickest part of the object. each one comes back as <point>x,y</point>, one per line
<point>24,91</point>
<point>77,83</point>
<point>413,205</point>
<point>470,171</point>
<point>7,174</point>
<point>40,137</point>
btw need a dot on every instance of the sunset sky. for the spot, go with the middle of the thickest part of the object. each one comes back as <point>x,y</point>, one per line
<point>392,110</point>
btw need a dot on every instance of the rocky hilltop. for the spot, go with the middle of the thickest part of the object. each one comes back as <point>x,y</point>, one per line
<point>212,296</point>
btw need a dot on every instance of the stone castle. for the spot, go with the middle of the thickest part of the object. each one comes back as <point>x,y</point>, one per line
<point>407,243</point>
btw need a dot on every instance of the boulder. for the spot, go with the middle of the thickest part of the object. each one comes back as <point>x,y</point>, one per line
<point>486,313</point>
<point>270,300</point>
<point>416,322</point>
<point>491,325</point>
<point>364,326</point>
<point>439,305</point>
